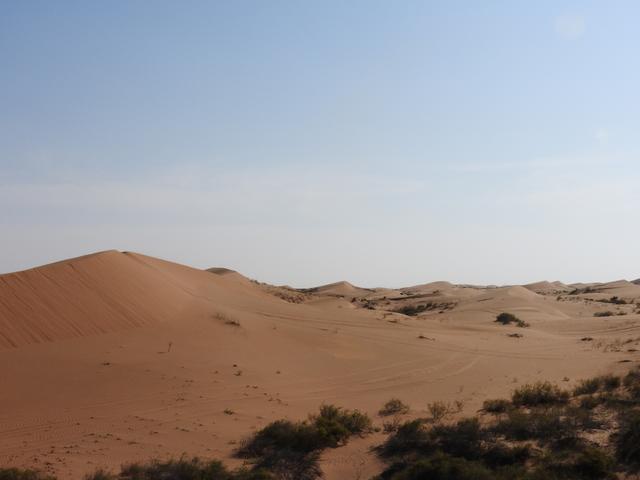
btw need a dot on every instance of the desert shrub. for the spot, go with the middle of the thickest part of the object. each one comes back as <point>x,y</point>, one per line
<point>588,387</point>
<point>187,469</point>
<point>412,310</point>
<point>627,438</point>
<point>462,439</point>
<point>499,455</point>
<point>506,318</point>
<point>539,393</point>
<point>23,474</point>
<point>282,435</point>
<point>394,406</point>
<point>100,474</point>
<point>607,313</point>
<point>438,410</point>
<point>548,424</point>
<point>583,463</point>
<point>590,402</point>
<point>632,378</point>
<point>335,425</point>
<point>410,436</point>
<point>632,382</point>
<point>391,426</point>
<point>439,467</point>
<point>290,465</point>
<point>610,382</point>
<point>498,405</point>
<point>331,427</point>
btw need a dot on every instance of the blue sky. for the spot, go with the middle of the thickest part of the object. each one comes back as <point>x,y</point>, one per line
<point>387,143</point>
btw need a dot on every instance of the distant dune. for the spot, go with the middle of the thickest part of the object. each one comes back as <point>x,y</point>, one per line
<point>548,288</point>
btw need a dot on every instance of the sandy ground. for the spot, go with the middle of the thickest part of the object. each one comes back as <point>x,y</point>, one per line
<point>118,357</point>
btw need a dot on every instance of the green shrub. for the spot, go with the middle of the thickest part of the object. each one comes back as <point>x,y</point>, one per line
<point>394,406</point>
<point>539,393</point>
<point>335,425</point>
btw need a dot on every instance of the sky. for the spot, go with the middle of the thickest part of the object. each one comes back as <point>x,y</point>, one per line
<point>301,143</point>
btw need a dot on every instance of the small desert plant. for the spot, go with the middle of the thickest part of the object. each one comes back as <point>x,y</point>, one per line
<point>100,474</point>
<point>330,428</point>
<point>499,405</point>
<point>438,410</point>
<point>627,439</point>
<point>539,393</point>
<point>610,382</point>
<point>187,469</point>
<point>394,406</point>
<point>588,387</point>
<point>23,474</point>
<point>506,318</point>
<point>607,313</point>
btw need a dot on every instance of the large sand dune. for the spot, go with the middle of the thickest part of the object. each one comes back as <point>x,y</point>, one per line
<point>116,356</point>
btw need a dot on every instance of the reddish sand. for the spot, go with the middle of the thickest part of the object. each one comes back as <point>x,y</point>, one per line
<point>115,357</point>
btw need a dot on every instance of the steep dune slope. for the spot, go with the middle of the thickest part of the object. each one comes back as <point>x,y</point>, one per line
<point>105,292</point>
<point>97,293</point>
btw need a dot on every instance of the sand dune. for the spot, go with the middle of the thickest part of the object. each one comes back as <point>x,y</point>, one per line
<point>548,288</point>
<point>340,289</point>
<point>139,357</point>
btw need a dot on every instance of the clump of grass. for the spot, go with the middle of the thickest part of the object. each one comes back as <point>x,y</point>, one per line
<point>539,393</point>
<point>394,406</point>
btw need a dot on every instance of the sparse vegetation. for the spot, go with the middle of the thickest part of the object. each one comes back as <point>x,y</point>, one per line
<point>413,310</point>
<point>394,406</point>
<point>541,434</point>
<point>23,474</point>
<point>539,393</point>
<point>284,446</point>
<point>508,318</point>
<point>499,405</point>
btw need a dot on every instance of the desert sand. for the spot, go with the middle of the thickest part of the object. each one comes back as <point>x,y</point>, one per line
<point>117,357</point>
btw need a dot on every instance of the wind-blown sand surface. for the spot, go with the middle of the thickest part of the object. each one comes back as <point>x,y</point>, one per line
<point>117,357</point>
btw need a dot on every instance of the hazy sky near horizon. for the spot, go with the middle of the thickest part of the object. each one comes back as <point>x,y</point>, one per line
<point>385,143</point>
